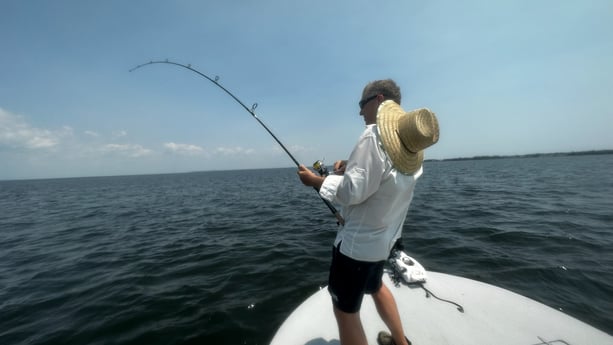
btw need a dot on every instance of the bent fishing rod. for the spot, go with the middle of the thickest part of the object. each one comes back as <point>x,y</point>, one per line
<point>251,111</point>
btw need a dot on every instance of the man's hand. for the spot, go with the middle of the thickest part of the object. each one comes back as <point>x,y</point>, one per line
<point>339,167</point>
<point>309,178</point>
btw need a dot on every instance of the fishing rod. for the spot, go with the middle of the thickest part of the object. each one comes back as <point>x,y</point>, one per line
<point>251,111</point>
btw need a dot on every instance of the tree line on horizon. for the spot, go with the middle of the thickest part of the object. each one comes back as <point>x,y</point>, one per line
<point>532,155</point>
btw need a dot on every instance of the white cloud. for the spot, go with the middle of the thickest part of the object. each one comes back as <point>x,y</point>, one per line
<point>184,149</point>
<point>232,151</point>
<point>17,133</point>
<point>291,148</point>
<point>193,150</point>
<point>119,134</point>
<point>130,150</point>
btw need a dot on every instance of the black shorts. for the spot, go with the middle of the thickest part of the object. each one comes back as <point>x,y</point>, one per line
<point>350,279</point>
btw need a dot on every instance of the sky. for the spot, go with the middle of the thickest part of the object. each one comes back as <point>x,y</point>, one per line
<point>503,77</point>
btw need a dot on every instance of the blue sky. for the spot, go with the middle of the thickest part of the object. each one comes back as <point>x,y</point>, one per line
<point>504,78</point>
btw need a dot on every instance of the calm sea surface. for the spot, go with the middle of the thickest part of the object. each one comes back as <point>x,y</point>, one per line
<point>224,257</point>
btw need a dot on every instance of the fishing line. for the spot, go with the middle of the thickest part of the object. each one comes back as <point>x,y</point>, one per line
<point>251,111</point>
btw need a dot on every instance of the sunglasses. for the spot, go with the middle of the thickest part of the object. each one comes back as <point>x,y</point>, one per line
<point>363,102</point>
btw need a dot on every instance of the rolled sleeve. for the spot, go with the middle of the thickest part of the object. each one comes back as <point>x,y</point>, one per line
<point>330,186</point>
<point>362,178</point>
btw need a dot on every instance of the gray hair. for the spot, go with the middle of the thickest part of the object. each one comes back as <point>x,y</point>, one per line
<point>386,87</point>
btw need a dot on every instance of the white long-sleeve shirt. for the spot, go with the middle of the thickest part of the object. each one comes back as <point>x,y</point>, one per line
<point>374,200</point>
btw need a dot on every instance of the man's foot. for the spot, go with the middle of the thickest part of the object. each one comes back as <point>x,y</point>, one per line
<point>384,338</point>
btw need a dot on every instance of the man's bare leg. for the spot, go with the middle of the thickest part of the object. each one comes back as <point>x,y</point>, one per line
<point>388,310</point>
<point>350,328</point>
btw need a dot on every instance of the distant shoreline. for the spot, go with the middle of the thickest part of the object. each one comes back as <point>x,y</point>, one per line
<point>532,155</point>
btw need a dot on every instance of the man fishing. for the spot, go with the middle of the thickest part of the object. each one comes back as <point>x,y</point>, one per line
<point>375,188</point>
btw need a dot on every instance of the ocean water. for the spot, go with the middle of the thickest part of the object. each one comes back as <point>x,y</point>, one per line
<point>224,257</point>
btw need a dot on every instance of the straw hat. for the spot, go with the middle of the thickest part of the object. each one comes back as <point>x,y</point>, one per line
<point>405,135</point>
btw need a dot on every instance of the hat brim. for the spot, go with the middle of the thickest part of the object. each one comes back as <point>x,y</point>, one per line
<point>403,160</point>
